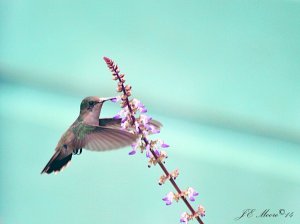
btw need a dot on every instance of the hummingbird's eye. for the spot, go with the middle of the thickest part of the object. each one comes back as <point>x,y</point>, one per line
<point>91,103</point>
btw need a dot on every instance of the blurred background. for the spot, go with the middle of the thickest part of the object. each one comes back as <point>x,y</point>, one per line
<point>222,76</point>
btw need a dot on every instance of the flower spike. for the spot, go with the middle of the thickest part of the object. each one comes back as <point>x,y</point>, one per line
<point>134,119</point>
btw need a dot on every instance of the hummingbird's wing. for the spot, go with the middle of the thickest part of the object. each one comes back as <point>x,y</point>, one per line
<point>116,123</point>
<point>98,138</point>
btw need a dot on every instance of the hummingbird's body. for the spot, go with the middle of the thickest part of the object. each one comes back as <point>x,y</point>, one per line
<point>89,132</point>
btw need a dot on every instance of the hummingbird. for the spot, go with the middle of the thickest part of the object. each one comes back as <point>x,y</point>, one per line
<point>91,133</point>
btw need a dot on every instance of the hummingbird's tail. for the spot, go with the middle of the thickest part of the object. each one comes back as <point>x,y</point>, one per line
<point>57,162</point>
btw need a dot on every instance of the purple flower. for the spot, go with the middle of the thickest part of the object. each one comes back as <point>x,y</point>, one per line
<point>114,100</point>
<point>143,110</point>
<point>124,119</point>
<point>153,130</point>
<point>122,113</point>
<point>132,152</point>
<point>164,145</point>
<point>134,147</point>
<point>192,194</point>
<point>184,218</point>
<point>139,106</point>
<point>124,125</point>
<point>145,119</point>
<point>169,198</point>
<point>117,116</point>
<point>148,153</point>
<point>157,152</point>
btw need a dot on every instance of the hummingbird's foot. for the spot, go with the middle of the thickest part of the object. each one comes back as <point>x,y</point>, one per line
<point>77,151</point>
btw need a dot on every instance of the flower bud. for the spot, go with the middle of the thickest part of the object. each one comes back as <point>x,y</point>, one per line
<point>128,87</point>
<point>116,68</point>
<point>123,104</point>
<point>119,89</point>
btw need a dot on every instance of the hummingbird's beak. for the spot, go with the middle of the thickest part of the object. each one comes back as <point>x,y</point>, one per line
<point>113,99</point>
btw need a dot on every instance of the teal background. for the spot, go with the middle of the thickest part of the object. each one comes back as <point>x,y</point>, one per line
<point>222,76</point>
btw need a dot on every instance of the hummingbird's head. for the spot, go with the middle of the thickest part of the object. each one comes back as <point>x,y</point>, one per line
<point>93,104</point>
